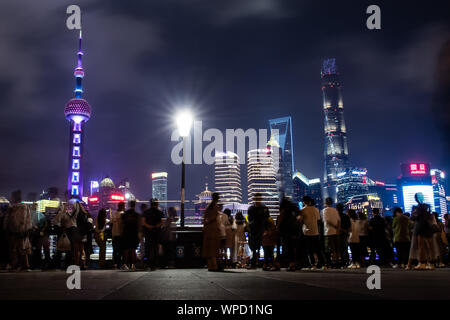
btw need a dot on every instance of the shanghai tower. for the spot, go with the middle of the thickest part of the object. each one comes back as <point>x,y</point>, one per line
<point>77,112</point>
<point>336,151</point>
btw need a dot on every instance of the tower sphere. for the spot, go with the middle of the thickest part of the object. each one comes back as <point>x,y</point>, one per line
<point>77,109</point>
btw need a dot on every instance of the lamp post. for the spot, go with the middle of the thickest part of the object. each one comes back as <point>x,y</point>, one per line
<point>184,123</point>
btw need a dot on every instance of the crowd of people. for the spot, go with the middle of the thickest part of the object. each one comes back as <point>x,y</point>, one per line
<point>305,239</point>
<point>308,239</point>
<point>25,236</point>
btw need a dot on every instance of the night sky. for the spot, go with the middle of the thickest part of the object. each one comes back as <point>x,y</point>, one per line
<point>239,63</point>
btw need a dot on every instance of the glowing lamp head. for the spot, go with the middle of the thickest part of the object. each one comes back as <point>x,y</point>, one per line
<point>77,110</point>
<point>184,123</point>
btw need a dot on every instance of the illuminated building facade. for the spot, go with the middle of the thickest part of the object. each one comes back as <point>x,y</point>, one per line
<point>315,192</point>
<point>336,151</point>
<point>438,181</point>
<point>204,199</point>
<point>227,177</point>
<point>302,186</point>
<point>351,182</point>
<point>94,186</point>
<point>107,197</point>
<point>159,188</point>
<point>262,178</point>
<point>281,131</point>
<point>365,203</point>
<point>388,193</point>
<point>77,112</point>
<point>416,178</point>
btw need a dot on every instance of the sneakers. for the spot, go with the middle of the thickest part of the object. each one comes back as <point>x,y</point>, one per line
<point>430,266</point>
<point>124,267</point>
<point>133,267</point>
<point>441,265</point>
<point>303,269</point>
<point>420,266</point>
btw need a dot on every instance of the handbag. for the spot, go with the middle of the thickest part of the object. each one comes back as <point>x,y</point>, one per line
<point>63,243</point>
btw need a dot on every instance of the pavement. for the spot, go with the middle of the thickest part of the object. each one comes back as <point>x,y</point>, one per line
<point>236,284</point>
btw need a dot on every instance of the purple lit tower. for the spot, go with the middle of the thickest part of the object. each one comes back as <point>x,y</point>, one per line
<point>78,112</point>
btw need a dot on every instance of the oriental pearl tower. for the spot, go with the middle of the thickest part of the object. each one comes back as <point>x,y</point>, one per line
<point>77,112</point>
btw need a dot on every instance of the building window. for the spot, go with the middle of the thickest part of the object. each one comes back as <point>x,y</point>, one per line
<point>76,151</point>
<point>75,164</point>
<point>75,191</point>
<point>75,177</point>
<point>77,138</point>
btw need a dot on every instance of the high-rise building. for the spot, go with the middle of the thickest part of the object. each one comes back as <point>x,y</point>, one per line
<point>336,151</point>
<point>438,181</point>
<point>159,188</point>
<point>301,187</point>
<point>351,182</point>
<point>306,187</point>
<point>315,192</point>
<point>281,131</point>
<point>262,178</point>
<point>388,194</point>
<point>227,177</point>
<point>78,112</point>
<point>416,178</point>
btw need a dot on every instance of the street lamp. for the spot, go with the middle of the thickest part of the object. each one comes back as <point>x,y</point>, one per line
<point>184,123</point>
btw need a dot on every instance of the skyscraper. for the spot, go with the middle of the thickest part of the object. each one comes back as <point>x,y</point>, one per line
<point>336,151</point>
<point>159,188</point>
<point>306,187</point>
<point>262,178</point>
<point>438,181</point>
<point>78,112</point>
<point>281,131</point>
<point>416,178</point>
<point>351,182</point>
<point>227,177</point>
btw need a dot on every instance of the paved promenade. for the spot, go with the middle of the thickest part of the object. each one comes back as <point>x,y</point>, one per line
<point>198,284</point>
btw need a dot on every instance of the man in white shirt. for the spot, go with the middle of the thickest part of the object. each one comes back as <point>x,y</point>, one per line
<point>332,222</point>
<point>310,217</point>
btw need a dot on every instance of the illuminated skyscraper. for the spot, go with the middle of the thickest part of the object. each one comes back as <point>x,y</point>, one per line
<point>416,178</point>
<point>262,178</point>
<point>336,151</point>
<point>438,181</point>
<point>351,182</point>
<point>306,187</point>
<point>281,131</point>
<point>159,188</point>
<point>78,112</point>
<point>227,177</point>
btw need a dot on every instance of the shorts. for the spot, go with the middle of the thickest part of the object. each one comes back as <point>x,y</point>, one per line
<point>332,243</point>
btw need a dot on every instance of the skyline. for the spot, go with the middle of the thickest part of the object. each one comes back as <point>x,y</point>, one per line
<point>282,81</point>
